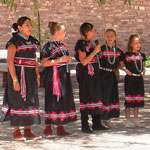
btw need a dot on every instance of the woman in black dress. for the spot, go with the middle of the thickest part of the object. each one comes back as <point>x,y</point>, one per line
<point>88,78</point>
<point>21,103</point>
<point>59,100</point>
<point>110,59</point>
<point>134,84</point>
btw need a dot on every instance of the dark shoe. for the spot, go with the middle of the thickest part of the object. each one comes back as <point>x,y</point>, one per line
<point>48,132</point>
<point>30,135</point>
<point>100,127</point>
<point>17,136</point>
<point>87,130</point>
<point>61,131</point>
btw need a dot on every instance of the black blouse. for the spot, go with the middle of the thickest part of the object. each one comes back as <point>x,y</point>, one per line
<point>107,57</point>
<point>134,61</point>
<point>25,48</point>
<point>84,46</point>
<point>54,50</point>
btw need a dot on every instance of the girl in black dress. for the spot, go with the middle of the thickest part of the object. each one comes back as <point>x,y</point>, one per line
<point>21,102</point>
<point>110,59</point>
<point>88,78</point>
<point>134,84</point>
<point>59,100</point>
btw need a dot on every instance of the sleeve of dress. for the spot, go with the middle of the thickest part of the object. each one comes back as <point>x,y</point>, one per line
<point>80,46</point>
<point>13,41</point>
<point>46,50</point>
<point>144,57</point>
<point>121,55</point>
<point>124,57</point>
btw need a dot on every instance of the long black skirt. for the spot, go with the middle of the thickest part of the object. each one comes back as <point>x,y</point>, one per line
<point>110,97</point>
<point>14,108</point>
<point>134,91</point>
<point>62,110</point>
<point>89,90</point>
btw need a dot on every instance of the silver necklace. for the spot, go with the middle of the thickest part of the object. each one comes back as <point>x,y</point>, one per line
<point>114,55</point>
<point>141,64</point>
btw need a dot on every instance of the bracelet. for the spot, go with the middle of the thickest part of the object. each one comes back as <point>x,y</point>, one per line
<point>59,60</point>
<point>94,53</point>
<point>16,80</point>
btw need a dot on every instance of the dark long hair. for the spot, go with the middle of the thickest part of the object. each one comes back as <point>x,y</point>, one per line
<point>85,28</point>
<point>20,22</point>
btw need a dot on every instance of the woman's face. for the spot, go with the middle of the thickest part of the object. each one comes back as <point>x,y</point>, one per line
<point>26,28</point>
<point>91,34</point>
<point>136,44</point>
<point>61,33</point>
<point>110,37</point>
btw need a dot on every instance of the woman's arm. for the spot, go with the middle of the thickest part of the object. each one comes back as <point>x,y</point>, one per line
<point>86,59</point>
<point>11,66</point>
<point>124,69</point>
<point>37,71</point>
<point>46,62</point>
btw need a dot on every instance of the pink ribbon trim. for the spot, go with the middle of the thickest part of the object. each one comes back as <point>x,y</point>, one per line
<point>56,82</point>
<point>23,84</point>
<point>90,69</point>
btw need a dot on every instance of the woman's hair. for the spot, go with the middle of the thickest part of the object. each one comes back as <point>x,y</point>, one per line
<point>20,22</point>
<point>85,28</point>
<point>112,30</point>
<point>54,26</point>
<point>131,38</point>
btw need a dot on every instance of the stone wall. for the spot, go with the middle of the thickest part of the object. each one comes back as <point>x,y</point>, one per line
<point>125,19</point>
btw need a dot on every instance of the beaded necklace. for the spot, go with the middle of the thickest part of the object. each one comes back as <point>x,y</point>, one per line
<point>135,62</point>
<point>23,36</point>
<point>114,55</point>
<point>63,52</point>
<point>97,56</point>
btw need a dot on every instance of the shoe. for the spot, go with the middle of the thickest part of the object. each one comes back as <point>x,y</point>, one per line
<point>87,130</point>
<point>109,124</point>
<point>137,123</point>
<point>100,127</point>
<point>61,131</point>
<point>128,124</point>
<point>48,131</point>
<point>30,135</point>
<point>17,136</point>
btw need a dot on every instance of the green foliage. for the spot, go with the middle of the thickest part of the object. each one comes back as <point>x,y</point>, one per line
<point>147,64</point>
<point>102,2</point>
<point>35,6</point>
<point>10,4</point>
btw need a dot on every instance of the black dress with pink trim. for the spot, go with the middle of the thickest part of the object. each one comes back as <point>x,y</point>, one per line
<point>22,109</point>
<point>109,61</point>
<point>59,100</point>
<point>88,79</point>
<point>134,85</point>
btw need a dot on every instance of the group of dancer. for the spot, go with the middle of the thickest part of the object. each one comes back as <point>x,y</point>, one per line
<point>95,72</point>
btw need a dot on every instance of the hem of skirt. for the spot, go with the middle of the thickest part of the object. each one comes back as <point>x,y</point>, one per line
<point>89,112</point>
<point>22,125</point>
<point>59,122</point>
<point>132,106</point>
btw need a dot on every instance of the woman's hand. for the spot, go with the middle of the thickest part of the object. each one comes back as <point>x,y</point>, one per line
<point>16,86</point>
<point>97,49</point>
<point>66,59</point>
<point>38,80</point>
<point>128,72</point>
<point>144,71</point>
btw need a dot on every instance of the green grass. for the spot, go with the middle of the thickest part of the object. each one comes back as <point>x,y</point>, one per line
<point>147,63</point>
